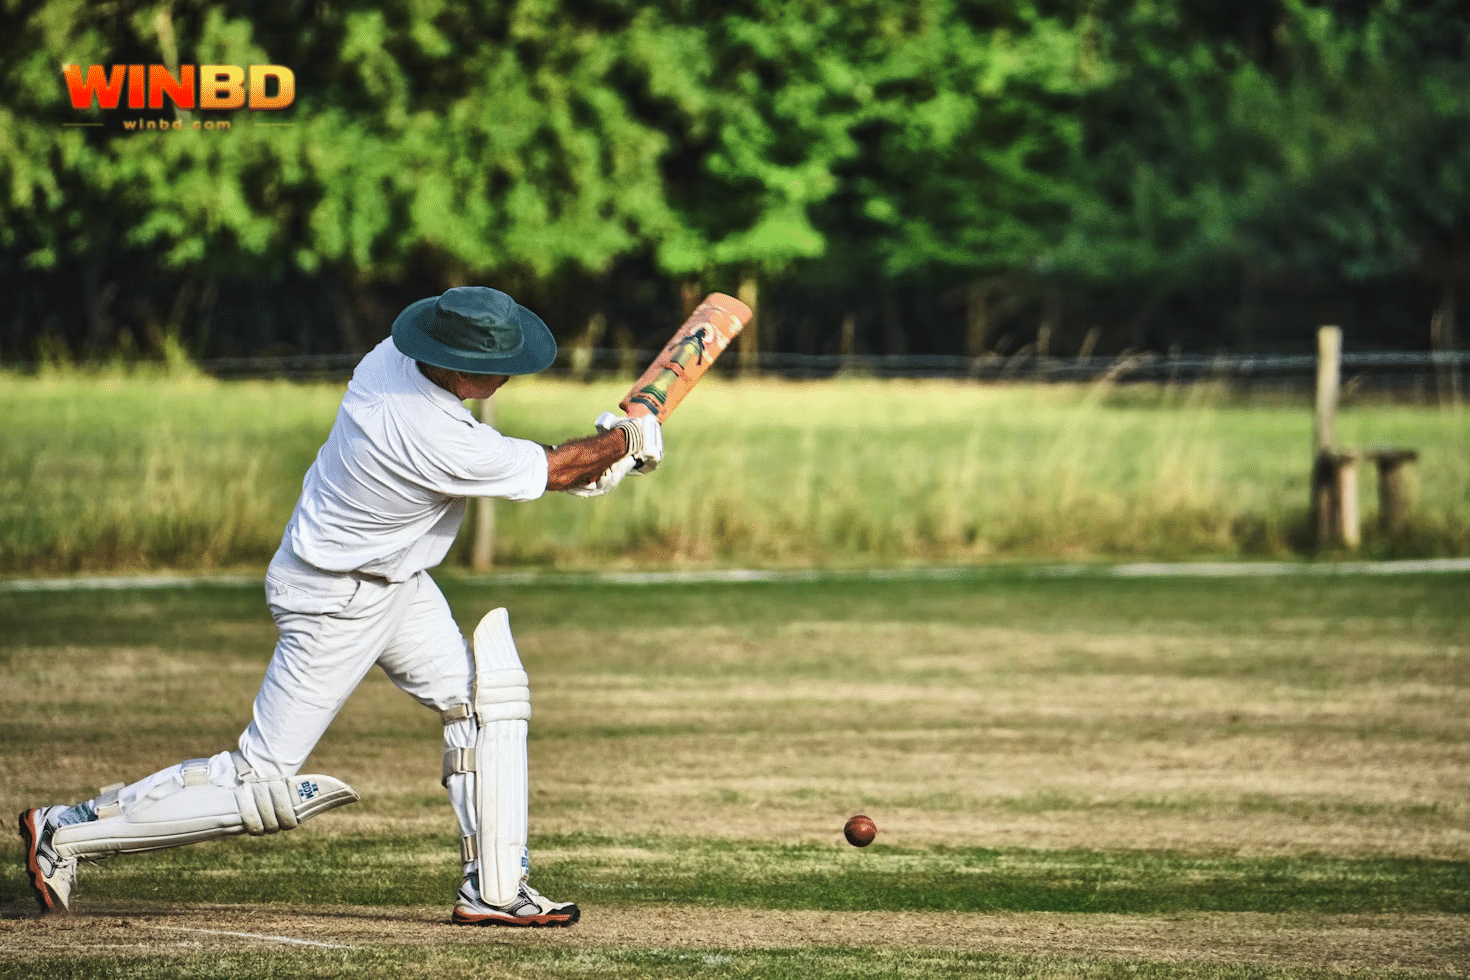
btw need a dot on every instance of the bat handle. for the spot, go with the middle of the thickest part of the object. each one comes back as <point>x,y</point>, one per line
<point>634,407</point>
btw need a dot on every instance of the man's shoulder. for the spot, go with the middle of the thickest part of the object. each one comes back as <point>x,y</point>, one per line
<point>384,372</point>
<point>387,380</point>
<point>381,368</point>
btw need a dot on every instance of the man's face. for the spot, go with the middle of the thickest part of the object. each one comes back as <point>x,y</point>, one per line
<point>478,386</point>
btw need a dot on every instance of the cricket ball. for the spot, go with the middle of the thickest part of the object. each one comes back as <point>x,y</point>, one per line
<point>860,831</point>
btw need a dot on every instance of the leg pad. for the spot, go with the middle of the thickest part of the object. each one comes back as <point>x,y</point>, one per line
<point>186,807</point>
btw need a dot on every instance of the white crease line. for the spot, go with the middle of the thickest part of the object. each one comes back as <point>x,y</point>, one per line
<point>254,935</point>
<point>121,583</point>
<point>1275,569</point>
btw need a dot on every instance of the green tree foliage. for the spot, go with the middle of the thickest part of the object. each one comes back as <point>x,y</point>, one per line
<point>968,165</point>
<point>1031,147</point>
<point>489,136</point>
<point>1291,139</point>
<point>61,203</point>
<point>943,125</point>
<point>761,99</point>
<point>35,159</point>
<point>1366,163</point>
<point>970,154</point>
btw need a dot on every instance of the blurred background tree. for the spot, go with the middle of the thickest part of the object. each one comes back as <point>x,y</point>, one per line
<point>1273,160</point>
<point>926,176</point>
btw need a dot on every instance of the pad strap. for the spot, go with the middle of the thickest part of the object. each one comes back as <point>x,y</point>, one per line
<point>266,805</point>
<point>454,713</point>
<point>108,804</point>
<point>457,760</point>
<point>195,772</point>
<point>502,695</point>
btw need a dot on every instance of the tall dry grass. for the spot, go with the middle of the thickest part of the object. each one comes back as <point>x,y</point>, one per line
<point>860,469</point>
<point>128,470</point>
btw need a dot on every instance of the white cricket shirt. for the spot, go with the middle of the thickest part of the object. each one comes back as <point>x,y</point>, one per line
<point>386,495</point>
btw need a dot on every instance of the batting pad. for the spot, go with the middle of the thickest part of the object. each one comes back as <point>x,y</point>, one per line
<point>502,792</point>
<point>189,809</point>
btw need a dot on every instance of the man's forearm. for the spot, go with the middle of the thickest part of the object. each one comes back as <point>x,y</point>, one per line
<point>580,461</point>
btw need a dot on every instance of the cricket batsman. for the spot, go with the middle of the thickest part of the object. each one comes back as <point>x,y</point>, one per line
<point>349,588</point>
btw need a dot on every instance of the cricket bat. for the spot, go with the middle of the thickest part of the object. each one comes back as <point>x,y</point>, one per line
<point>687,355</point>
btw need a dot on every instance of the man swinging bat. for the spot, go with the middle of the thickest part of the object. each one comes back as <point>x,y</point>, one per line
<point>349,588</point>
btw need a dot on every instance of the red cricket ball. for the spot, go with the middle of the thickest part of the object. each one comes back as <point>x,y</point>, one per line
<point>860,831</point>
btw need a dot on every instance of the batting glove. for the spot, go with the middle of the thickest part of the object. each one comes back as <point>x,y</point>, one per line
<point>645,438</point>
<point>609,479</point>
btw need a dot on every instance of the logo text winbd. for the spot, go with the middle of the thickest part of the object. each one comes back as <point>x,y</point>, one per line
<point>219,86</point>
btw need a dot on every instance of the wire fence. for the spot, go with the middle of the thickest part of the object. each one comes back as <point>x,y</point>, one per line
<point>1422,376</point>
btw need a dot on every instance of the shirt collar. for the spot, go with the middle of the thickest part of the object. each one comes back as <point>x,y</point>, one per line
<point>438,396</point>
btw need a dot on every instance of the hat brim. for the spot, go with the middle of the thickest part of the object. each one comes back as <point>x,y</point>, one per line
<point>536,353</point>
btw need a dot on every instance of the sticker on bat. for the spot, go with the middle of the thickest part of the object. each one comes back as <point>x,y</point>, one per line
<point>687,350</point>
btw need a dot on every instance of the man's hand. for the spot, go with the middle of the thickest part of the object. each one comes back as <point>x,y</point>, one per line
<point>645,438</point>
<point>609,479</point>
<point>593,465</point>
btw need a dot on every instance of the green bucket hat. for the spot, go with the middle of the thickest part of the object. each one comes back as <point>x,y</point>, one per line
<point>477,330</point>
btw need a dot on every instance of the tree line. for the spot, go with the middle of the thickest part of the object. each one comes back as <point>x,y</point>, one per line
<point>882,176</point>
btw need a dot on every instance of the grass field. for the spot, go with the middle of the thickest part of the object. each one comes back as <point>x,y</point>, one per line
<point>1072,777</point>
<point>101,472</point>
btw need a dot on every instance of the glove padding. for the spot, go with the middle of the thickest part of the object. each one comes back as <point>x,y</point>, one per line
<point>645,438</point>
<point>610,478</point>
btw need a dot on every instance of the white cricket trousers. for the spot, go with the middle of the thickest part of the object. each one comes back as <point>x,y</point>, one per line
<point>333,628</point>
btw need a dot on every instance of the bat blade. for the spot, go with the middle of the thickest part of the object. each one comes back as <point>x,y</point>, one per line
<point>687,355</point>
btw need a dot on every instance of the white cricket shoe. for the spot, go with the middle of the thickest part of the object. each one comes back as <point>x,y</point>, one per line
<point>52,875</point>
<point>529,908</point>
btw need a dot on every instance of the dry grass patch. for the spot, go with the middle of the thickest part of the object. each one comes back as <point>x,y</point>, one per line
<point>999,736</point>
<point>1338,943</point>
<point>1129,746</point>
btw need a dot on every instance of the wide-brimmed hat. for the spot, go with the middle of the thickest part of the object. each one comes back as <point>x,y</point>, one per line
<point>477,330</point>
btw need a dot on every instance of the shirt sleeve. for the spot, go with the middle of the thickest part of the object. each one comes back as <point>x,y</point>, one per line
<point>481,462</point>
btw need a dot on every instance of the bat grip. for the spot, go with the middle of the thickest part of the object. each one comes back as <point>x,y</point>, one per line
<point>635,407</point>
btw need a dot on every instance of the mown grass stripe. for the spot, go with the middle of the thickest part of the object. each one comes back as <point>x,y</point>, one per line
<point>360,870</point>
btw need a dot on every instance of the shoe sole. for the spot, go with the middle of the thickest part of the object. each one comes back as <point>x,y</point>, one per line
<point>547,920</point>
<point>45,897</point>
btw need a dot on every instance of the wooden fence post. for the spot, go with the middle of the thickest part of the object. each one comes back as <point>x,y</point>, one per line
<point>482,551</point>
<point>1334,473</point>
<point>1329,361</point>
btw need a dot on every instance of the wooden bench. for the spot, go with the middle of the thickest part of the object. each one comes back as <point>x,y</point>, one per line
<point>1335,492</point>
<point>1335,471</point>
<point>1395,490</point>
